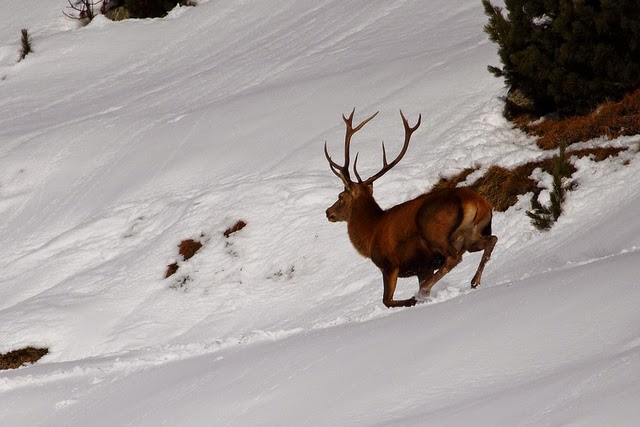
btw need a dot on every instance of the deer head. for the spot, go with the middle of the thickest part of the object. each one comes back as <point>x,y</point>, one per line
<point>342,208</point>
<point>360,193</point>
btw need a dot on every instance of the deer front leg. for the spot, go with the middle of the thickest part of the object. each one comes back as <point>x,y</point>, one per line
<point>390,279</point>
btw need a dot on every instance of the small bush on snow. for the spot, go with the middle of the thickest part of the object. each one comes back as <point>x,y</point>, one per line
<point>543,217</point>
<point>25,41</point>
<point>82,10</point>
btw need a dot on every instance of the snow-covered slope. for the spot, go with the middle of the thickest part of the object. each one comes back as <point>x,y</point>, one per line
<point>119,140</point>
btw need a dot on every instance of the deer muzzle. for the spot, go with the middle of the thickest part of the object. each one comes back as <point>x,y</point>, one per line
<point>331,216</point>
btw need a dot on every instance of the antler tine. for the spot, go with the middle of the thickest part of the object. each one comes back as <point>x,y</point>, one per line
<point>339,171</point>
<point>355,168</point>
<point>408,131</point>
<point>342,171</point>
<point>332,164</point>
<point>364,122</point>
<point>349,120</point>
<point>384,156</point>
<point>349,133</point>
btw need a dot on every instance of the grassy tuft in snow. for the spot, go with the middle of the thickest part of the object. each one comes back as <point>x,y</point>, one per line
<point>239,225</point>
<point>24,356</point>
<point>187,249</point>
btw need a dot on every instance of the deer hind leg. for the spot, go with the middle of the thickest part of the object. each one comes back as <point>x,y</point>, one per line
<point>424,289</point>
<point>487,244</point>
<point>390,280</point>
<point>425,273</point>
<point>431,279</point>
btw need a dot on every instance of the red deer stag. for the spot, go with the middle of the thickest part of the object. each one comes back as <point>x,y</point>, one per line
<point>414,238</point>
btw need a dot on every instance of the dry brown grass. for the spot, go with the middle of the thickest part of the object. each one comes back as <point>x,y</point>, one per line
<point>502,186</point>
<point>454,180</point>
<point>17,358</point>
<point>598,153</point>
<point>611,120</point>
<point>499,185</point>
<point>171,269</point>
<point>239,225</point>
<point>187,249</point>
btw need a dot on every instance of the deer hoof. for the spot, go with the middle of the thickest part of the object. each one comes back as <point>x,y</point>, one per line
<point>475,282</point>
<point>400,303</point>
<point>421,298</point>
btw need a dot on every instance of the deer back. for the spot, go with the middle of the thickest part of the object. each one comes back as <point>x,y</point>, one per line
<point>453,219</point>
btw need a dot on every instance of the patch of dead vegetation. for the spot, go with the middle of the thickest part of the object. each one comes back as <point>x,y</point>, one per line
<point>610,120</point>
<point>239,225</point>
<point>187,249</point>
<point>24,356</point>
<point>502,186</point>
<point>598,154</point>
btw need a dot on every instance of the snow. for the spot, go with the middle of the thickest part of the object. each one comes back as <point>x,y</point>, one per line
<point>119,140</point>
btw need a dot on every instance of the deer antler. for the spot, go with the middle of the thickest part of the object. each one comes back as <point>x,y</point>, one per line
<point>408,131</point>
<point>343,171</point>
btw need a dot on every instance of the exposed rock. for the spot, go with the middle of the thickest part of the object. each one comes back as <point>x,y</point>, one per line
<point>518,103</point>
<point>118,14</point>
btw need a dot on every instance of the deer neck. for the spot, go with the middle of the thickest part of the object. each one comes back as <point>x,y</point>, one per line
<point>365,216</point>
